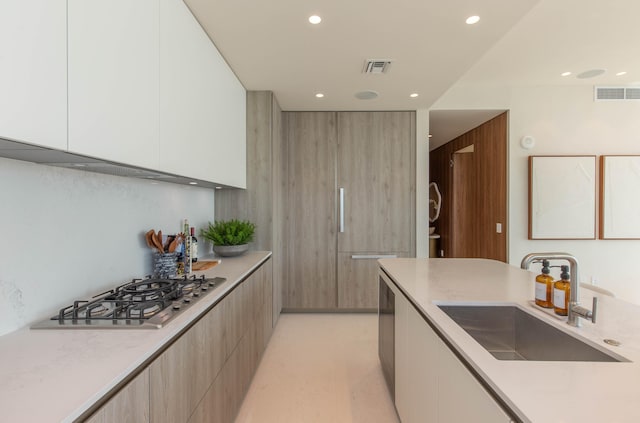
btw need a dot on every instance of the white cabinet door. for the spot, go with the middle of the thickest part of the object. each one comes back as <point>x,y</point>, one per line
<point>33,71</point>
<point>461,397</point>
<point>202,103</point>
<point>113,80</point>
<point>432,385</point>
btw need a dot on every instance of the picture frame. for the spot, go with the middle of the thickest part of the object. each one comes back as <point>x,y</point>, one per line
<point>619,197</point>
<point>562,197</point>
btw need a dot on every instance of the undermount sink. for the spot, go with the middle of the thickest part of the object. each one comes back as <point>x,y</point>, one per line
<point>509,333</point>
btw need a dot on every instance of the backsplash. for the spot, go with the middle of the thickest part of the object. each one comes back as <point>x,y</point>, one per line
<point>69,233</point>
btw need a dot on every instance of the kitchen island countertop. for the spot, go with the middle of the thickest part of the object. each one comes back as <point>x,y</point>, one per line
<point>57,375</point>
<point>535,391</point>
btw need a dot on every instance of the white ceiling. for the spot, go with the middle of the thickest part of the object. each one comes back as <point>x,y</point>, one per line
<point>271,46</point>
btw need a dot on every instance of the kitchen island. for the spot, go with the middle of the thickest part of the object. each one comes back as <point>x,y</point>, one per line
<point>66,375</point>
<point>528,391</point>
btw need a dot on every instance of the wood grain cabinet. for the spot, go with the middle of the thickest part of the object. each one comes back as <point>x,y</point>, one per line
<point>204,375</point>
<point>130,405</point>
<point>351,199</point>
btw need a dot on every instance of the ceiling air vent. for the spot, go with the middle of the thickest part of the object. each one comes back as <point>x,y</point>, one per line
<point>617,93</point>
<point>376,66</point>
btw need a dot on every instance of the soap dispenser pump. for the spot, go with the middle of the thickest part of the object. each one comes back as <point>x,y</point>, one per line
<point>544,287</point>
<point>561,292</point>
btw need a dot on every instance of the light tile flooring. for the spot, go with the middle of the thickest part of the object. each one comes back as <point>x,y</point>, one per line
<point>320,368</point>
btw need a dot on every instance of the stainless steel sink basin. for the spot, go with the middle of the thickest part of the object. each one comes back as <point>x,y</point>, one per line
<point>510,333</point>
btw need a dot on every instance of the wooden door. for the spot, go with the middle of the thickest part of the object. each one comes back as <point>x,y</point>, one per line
<point>310,281</point>
<point>464,214</point>
<point>374,169</point>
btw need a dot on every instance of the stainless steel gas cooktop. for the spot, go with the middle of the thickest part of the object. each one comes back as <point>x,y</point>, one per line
<point>140,304</point>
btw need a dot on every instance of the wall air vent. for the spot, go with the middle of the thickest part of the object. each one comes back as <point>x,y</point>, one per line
<point>376,66</point>
<point>617,93</point>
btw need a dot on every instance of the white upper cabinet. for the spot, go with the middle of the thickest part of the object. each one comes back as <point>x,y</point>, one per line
<point>202,103</point>
<point>114,79</point>
<point>33,71</point>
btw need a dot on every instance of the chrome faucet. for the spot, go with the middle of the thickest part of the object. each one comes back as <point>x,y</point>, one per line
<point>575,309</point>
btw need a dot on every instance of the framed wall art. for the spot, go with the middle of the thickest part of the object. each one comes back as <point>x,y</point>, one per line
<point>562,197</point>
<point>620,197</point>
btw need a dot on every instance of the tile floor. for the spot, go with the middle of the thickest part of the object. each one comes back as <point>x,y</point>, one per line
<point>320,368</point>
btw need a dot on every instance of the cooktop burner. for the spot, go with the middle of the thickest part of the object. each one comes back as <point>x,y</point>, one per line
<point>141,303</point>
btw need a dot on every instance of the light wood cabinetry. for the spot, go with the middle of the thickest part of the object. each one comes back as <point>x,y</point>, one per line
<point>113,80</point>
<point>130,405</point>
<point>263,201</point>
<point>202,103</point>
<point>33,72</point>
<point>370,155</point>
<point>375,169</point>
<point>203,376</point>
<point>431,384</point>
<point>312,210</point>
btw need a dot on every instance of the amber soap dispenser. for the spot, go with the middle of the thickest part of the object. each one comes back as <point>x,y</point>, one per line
<point>561,292</point>
<point>544,287</point>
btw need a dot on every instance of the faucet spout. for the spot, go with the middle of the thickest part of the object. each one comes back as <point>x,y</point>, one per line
<point>575,309</point>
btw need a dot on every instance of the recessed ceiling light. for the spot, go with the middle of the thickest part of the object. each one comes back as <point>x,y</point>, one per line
<point>430,135</point>
<point>315,19</point>
<point>319,95</point>
<point>218,187</point>
<point>193,183</point>
<point>621,73</point>
<point>472,20</point>
<point>414,95</point>
<point>565,74</point>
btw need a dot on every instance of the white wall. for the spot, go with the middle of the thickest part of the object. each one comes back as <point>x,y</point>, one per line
<point>68,234</point>
<point>564,120</point>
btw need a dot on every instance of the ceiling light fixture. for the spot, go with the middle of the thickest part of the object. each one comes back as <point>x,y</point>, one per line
<point>366,95</point>
<point>621,73</point>
<point>565,74</point>
<point>193,183</point>
<point>472,20</point>
<point>319,95</point>
<point>592,73</point>
<point>315,19</point>
<point>414,95</point>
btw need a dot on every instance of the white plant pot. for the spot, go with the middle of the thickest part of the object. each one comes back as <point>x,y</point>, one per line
<point>230,250</point>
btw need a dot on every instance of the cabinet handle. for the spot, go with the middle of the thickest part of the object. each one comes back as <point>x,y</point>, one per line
<point>372,256</point>
<point>341,210</point>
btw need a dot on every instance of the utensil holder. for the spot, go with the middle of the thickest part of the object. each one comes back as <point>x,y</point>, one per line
<point>164,265</point>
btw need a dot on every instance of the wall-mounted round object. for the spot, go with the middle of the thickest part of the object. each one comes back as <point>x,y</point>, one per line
<point>527,142</point>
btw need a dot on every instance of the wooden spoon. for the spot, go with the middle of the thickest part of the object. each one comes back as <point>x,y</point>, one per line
<point>160,240</point>
<point>149,240</point>
<point>156,243</point>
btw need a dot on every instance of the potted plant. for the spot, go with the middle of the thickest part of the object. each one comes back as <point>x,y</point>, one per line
<point>229,237</point>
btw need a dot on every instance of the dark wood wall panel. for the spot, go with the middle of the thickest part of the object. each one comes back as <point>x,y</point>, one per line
<point>484,195</point>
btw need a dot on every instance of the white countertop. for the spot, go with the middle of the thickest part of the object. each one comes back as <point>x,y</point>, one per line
<point>536,391</point>
<point>56,375</point>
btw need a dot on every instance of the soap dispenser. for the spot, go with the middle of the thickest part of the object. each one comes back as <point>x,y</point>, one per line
<point>544,287</point>
<point>561,292</point>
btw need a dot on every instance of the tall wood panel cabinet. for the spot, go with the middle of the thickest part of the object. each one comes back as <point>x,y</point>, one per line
<point>351,200</point>
<point>264,199</point>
